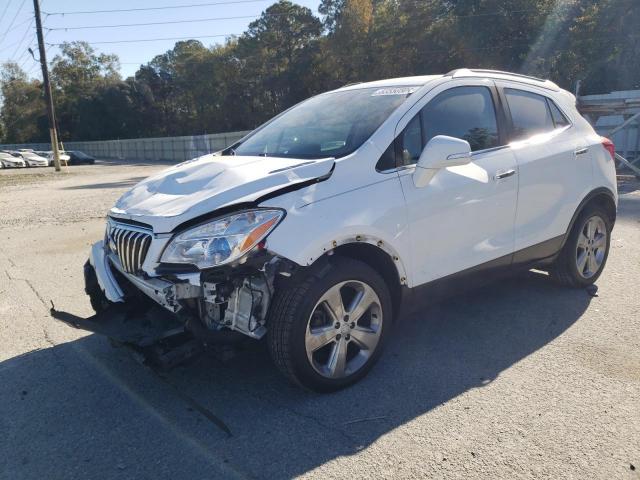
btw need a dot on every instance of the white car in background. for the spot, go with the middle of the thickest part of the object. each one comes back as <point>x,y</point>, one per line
<point>32,159</point>
<point>64,158</point>
<point>315,230</point>
<point>8,160</point>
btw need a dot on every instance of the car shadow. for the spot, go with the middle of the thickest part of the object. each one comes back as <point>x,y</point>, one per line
<point>84,409</point>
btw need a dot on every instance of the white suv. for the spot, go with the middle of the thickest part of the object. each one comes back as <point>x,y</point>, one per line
<point>314,229</point>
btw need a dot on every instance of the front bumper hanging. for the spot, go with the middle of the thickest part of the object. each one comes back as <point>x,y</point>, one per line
<point>135,326</point>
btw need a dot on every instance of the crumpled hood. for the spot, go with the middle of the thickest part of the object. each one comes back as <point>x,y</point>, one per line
<point>199,186</point>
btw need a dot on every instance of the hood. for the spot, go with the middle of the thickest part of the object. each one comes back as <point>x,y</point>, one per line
<point>200,186</point>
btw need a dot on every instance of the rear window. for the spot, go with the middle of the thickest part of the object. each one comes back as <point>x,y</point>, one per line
<point>530,113</point>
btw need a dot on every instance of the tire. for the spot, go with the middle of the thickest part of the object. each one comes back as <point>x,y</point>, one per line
<point>301,317</point>
<point>567,268</point>
<point>97,298</point>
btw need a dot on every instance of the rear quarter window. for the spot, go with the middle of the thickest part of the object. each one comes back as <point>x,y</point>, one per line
<point>558,117</point>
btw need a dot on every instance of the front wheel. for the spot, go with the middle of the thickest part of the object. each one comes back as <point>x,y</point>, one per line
<point>327,330</point>
<point>586,251</point>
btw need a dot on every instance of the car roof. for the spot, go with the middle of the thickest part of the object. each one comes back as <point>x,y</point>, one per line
<point>393,82</point>
<point>457,73</point>
<point>500,75</point>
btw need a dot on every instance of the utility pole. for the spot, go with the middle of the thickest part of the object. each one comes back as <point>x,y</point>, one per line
<point>47,88</point>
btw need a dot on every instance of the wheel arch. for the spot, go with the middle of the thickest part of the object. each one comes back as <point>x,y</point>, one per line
<point>384,263</point>
<point>602,197</point>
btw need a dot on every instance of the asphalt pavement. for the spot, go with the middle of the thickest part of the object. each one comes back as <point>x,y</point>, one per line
<point>519,379</point>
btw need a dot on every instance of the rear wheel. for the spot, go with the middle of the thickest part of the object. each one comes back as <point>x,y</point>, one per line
<point>328,330</point>
<point>586,251</point>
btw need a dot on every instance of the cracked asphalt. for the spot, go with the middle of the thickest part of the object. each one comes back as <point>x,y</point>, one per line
<point>519,379</point>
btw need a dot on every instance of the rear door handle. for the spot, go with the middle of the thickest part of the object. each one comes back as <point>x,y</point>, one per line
<point>504,174</point>
<point>581,151</point>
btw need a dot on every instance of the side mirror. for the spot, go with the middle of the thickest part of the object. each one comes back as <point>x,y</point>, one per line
<point>440,152</point>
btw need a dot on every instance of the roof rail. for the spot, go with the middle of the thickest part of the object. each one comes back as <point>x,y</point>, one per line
<point>502,72</point>
<point>479,71</point>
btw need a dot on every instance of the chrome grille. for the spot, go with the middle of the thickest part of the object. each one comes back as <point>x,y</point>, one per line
<point>130,244</point>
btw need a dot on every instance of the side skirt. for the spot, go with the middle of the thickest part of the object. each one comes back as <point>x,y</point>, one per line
<point>539,255</point>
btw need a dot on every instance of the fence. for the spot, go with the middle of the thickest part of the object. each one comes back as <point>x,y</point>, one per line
<point>163,148</point>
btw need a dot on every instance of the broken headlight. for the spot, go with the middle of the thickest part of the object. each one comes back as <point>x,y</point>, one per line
<point>223,240</point>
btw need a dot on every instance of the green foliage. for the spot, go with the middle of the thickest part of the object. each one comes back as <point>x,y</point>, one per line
<point>288,54</point>
<point>22,115</point>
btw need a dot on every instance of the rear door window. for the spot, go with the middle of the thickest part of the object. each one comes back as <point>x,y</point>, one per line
<point>530,113</point>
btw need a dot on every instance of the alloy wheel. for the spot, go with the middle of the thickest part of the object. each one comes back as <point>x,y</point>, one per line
<point>344,329</point>
<point>592,247</point>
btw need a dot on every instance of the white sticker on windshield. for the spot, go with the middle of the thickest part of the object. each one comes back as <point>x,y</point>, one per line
<point>394,91</point>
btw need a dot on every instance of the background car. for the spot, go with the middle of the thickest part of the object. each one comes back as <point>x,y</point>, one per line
<point>77,157</point>
<point>32,159</point>
<point>9,160</point>
<point>64,158</point>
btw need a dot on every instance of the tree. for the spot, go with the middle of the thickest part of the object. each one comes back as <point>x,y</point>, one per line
<point>23,114</point>
<point>288,54</point>
<point>599,45</point>
<point>276,57</point>
<point>77,74</point>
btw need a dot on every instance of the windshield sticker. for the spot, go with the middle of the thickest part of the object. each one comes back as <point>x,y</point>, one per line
<point>394,91</point>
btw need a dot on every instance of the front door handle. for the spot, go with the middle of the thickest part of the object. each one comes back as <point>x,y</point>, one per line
<point>581,151</point>
<point>504,174</point>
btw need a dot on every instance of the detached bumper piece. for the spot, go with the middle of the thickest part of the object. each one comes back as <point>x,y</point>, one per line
<point>126,325</point>
<point>162,339</point>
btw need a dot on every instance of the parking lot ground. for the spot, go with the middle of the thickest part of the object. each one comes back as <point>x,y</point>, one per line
<point>520,379</point>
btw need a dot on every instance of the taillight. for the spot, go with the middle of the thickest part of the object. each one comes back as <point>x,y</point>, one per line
<point>610,147</point>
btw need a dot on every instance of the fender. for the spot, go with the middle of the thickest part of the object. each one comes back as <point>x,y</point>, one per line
<point>373,241</point>
<point>588,198</point>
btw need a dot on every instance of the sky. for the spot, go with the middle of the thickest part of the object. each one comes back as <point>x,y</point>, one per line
<point>17,30</point>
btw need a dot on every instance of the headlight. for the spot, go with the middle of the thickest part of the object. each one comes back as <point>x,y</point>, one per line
<point>223,240</point>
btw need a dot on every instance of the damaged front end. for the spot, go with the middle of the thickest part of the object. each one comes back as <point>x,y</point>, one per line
<point>206,305</point>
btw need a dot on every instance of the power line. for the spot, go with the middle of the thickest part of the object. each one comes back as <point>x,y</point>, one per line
<point>35,64</point>
<point>13,21</point>
<point>5,10</point>
<point>7,47</point>
<point>438,50</point>
<point>28,19</point>
<point>22,39</point>
<point>195,37</point>
<point>158,39</point>
<point>197,20</point>
<point>167,7</point>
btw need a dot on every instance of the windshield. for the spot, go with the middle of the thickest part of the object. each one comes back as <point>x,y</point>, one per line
<point>329,125</point>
